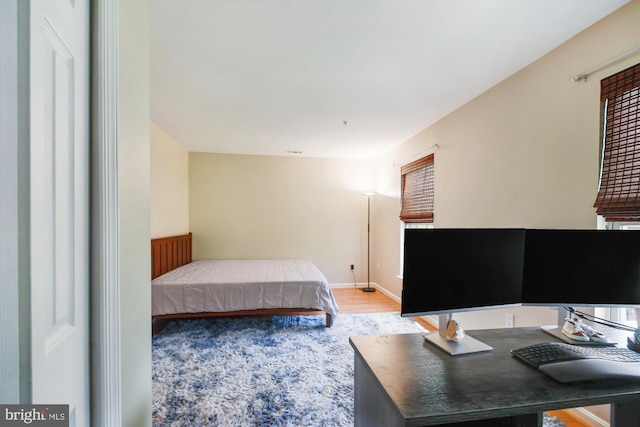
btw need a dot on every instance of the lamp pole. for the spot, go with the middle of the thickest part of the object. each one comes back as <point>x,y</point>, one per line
<point>369,288</point>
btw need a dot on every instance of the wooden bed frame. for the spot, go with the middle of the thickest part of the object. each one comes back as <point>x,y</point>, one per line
<point>169,253</point>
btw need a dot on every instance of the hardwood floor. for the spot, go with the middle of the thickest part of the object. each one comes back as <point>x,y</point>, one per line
<point>353,300</point>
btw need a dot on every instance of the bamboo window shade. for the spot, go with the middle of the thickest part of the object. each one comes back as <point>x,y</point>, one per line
<point>619,190</point>
<point>417,190</point>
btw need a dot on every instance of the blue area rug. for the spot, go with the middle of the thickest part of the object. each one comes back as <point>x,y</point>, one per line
<point>280,371</point>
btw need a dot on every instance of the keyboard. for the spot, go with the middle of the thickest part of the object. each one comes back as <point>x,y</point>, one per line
<point>570,363</point>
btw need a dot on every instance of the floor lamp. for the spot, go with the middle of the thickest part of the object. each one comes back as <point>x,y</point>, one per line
<point>369,288</point>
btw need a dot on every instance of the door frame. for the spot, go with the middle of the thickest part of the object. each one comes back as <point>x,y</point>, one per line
<point>106,404</point>
<point>105,288</point>
<point>14,198</point>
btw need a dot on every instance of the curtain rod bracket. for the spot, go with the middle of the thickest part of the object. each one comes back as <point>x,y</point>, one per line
<point>433,147</point>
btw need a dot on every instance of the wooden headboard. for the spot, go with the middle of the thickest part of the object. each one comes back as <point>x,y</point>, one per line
<point>168,253</point>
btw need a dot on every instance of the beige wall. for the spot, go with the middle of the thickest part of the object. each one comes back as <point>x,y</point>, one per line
<point>277,207</point>
<point>134,200</point>
<point>169,185</point>
<point>523,154</point>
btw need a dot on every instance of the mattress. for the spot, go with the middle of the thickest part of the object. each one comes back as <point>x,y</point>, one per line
<point>234,285</point>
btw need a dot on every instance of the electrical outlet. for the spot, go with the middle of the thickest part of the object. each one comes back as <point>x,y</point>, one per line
<point>352,266</point>
<point>509,319</point>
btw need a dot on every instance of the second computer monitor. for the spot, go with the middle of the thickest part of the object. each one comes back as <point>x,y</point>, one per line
<point>582,268</point>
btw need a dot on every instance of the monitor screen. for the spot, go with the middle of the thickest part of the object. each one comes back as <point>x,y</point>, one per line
<point>450,270</point>
<point>582,268</point>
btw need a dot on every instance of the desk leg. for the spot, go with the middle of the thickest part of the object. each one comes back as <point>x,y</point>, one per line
<point>528,420</point>
<point>372,407</point>
<point>625,414</point>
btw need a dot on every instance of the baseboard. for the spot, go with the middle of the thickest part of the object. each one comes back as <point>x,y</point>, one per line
<point>348,285</point>
<point>360,285</point>
<point>432,320</point>
<point>588,417</point>
<point>387,293</point>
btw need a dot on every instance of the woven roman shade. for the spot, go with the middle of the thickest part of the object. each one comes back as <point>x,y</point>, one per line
<point>417,190</point>
<point>619,190</point>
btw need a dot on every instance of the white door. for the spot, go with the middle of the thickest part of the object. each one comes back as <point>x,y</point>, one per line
<point>59,171</point>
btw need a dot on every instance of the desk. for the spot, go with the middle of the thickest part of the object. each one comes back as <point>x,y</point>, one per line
<point>400,380</point>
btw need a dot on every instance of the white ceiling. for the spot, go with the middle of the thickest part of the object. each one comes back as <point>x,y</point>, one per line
<point>274,76</point>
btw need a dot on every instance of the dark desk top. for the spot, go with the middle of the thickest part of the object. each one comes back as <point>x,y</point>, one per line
<point>428,385</point>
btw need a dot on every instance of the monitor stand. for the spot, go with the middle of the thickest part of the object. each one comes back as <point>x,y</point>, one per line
<point>465,345</point>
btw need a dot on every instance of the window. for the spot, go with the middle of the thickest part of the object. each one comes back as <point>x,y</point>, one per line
<point>417,191</point>
<point>416,225</point>
<point>618,199</point>
<point>627,316</point>
<point>404,226</point>
<point>619,190</point>
<point>416,197</point>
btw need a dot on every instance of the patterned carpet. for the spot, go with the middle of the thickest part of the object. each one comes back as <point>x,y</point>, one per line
<point>280,371</point>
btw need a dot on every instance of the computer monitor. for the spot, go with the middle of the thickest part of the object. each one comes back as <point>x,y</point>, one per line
<point>453,270</point>
<point>582,268</point>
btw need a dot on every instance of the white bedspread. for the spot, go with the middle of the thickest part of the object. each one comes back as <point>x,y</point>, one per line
<point>233,285</point>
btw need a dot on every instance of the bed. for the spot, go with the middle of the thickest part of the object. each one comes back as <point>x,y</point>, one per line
<point>182,288</point>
